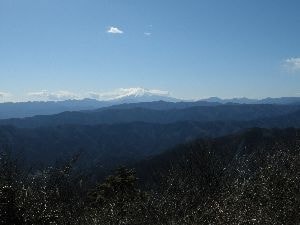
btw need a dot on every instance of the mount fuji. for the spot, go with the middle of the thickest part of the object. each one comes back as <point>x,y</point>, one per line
<point>52,103</point>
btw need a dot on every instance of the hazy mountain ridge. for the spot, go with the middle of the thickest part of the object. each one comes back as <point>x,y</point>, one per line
<point>144,100</point>
<point>130,95</point>
<point>280,101</point>
<point>114,144</point>
<point>198,113</point>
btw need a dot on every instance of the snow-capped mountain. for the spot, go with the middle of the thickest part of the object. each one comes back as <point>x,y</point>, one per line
<point>132,95</point>
<point>46,103</point>
<point>135,94</point>
<point>57,102</point>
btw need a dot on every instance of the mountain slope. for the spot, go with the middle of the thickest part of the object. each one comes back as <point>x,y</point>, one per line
<point>246,178</point>
<point>130,95</point>
<point>27,109</point>
<point>115,115</point>
<point>225,150</point>
<point>113,144</point>
<point>137,97</point>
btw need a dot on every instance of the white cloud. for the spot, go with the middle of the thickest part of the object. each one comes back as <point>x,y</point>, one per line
<point>103,96</point>
<point>63,95</point>
<point>147,33</point>
<point>45,95</point>
<point>4,94</point>
<point>292,64</point>
<point>114,30</point>
<point>39,94</point>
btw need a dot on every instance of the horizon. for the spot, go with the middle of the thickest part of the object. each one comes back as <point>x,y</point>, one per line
<point>119,94</point>
<point>73,49</point>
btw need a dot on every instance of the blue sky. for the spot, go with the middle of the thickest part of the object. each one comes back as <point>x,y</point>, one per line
<point>193,49</point>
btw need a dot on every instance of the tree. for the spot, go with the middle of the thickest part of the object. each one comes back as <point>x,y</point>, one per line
<point>10,213</point>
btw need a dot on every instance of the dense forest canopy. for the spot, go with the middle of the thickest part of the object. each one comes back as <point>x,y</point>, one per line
<point>248,178</point>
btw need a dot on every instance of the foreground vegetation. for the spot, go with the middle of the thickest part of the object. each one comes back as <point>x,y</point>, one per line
<point>256,182</point>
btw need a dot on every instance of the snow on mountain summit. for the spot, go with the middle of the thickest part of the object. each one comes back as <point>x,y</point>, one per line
<point>136,94</point>
<point>131,95</point>
<point>139,92</point>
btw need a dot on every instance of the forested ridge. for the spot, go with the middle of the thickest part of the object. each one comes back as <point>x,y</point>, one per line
<point>246,178</point>
<point>108,145</point>
<point>146,113</point>
<point>159,163</point>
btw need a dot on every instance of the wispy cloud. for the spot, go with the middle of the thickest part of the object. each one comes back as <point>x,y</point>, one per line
<point>103,96</point>
<point>292,64</point>
<point>63,95</point>
<point>45,95</point>
<point>38,94</point>
<point>148,30</point>
<point>114,30</point>
<point>4,94</point>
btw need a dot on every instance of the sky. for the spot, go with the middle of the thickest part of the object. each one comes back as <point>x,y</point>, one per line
<point>188,48</point>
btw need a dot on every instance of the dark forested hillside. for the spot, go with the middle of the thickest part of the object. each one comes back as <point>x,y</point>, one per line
<point>234,112</point>
<point>27,109</point>
<point>53,168</point>
<point>108,145</point>
<point>248,178</point>
<point>226,151</point>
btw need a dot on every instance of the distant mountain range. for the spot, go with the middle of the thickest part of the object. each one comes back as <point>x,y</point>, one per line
<point>32,108</point>
<point>281,101</point>
<point>109,145</point>
<point>139,98</point>
<point>124,134</point>
<point>212,152</point>
<point>162,113</point>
